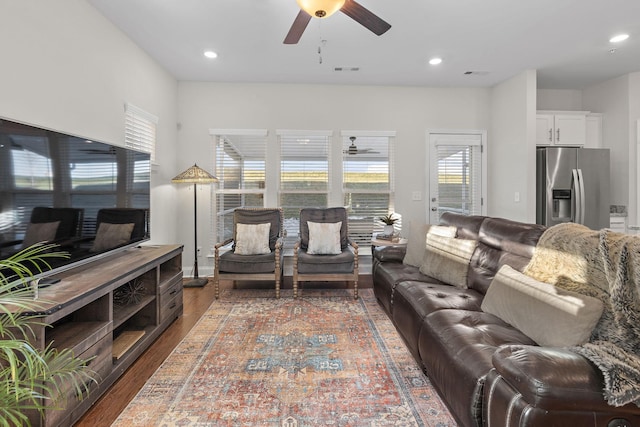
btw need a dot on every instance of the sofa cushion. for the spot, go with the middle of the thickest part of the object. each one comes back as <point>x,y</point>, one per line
<point>231,262</point>
<point>501,242</point>
<point>387,275</point>
<point>549,315</point>
<point>447,259</point>
<point>343,262</point>
<point>413,301</point>
<point>456,347</point>
<point>417,240</point>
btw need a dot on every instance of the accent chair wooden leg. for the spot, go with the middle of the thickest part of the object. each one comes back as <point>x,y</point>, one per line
<point>216,285</point>
<point>355,289</point>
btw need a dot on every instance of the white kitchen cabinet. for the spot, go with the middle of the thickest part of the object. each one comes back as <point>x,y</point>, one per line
<point>567,128</point>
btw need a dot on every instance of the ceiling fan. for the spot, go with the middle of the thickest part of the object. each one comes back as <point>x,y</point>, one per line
<point>353,148</point>
<point>326,8</point>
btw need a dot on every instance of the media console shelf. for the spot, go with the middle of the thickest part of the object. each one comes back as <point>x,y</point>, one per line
<point>109,311</point>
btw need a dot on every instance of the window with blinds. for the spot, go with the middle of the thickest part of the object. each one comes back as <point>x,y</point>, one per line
<point>367,182</point>
<point>240,166</point>
<point>305,173</point>
<point>456,175</point>
<point>140,130</point>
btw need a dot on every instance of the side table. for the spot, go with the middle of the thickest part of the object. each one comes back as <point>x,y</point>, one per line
<point>381,242</point>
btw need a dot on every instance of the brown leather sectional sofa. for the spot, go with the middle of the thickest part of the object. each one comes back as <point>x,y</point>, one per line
<point>488,372</point>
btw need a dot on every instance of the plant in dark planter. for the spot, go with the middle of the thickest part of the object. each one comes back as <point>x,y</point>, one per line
<point>31,379</point>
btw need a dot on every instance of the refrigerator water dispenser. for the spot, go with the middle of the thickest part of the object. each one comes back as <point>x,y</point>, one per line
<point>561,205</point>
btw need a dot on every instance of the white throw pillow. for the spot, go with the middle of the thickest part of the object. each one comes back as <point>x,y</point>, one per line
<point>548,315</point>
<point>417,240</point>
<point>447,259</point>
<point>252,239</point>
<point>324,238</point>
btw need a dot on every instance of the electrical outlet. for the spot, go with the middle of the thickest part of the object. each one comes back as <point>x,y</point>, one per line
<point>199,252</point>
<point>516,197</point>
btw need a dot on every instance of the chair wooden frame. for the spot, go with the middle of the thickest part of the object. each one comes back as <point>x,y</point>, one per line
<point>325,277</point>
<point>276,275</point>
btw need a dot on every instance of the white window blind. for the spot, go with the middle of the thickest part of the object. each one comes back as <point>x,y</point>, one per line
<point>305,174</point>
<point>240,166</point>
<point>140,130</point>
<point>458,176</point>
<point>367,182</point>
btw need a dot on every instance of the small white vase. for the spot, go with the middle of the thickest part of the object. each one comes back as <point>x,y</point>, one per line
<point>388,230</point>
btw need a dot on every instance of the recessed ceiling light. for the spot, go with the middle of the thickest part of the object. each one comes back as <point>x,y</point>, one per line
<point>619,38</point>
<point>210,54</point>
<point>435,61</point>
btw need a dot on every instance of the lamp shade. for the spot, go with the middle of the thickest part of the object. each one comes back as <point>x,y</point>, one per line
<point>320,8</point>
<point>194,175</point>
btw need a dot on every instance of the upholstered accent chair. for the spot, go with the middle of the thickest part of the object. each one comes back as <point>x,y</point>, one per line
<point>119,226</point>
<point>324,252</point>
<point>61,226</point>
<point>256,251</point>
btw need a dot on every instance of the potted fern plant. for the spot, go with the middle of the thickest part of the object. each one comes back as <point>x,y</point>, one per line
<point>31,379</point>
<point>388,221</point>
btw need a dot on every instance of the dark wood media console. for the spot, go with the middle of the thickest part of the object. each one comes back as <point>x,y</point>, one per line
<point>110,310</point>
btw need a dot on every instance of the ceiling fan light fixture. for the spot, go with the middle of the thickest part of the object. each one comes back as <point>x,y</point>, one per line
<point>320,8</point>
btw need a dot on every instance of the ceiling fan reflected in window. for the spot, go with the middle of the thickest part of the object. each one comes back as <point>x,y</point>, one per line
<point>325,8</point>
<point>353,148</point>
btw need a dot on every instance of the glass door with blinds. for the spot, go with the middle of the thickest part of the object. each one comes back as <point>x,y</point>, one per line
<point>457,179</point>
<point>367,183</point>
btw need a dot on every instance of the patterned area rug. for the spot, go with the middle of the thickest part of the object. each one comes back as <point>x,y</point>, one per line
<point>323,359</point>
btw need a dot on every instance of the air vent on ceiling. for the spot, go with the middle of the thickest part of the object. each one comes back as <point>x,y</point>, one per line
<point>346,69</point>
<point>476,73</point>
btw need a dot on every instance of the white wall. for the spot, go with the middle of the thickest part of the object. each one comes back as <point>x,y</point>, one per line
<point>65,67</point>
<point>408,110</point>
<point>559,99</point>
<point>612,99</point>
<point>512,158</point>
<point>634,149</point>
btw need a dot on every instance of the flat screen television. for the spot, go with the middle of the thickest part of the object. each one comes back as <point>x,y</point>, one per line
<point>86,197</point>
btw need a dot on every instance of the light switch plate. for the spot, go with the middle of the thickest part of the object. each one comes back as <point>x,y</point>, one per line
<point>416,195</point>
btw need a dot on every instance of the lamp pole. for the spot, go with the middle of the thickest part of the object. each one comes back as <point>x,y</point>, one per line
<point>195,175</point>
<point>195,231</point>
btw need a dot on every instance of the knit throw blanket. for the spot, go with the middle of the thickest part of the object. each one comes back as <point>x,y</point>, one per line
<point>605,265</point>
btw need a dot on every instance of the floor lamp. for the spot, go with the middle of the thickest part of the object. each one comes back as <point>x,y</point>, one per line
<point>195,175</point>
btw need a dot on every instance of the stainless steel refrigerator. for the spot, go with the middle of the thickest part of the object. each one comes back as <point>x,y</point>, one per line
<point>572,185</point>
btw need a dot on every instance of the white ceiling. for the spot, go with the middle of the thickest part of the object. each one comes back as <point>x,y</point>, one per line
<point>567,41</point>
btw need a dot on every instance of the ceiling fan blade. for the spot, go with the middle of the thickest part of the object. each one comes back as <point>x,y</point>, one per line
<point>297,28</point>
<point>364,16</point>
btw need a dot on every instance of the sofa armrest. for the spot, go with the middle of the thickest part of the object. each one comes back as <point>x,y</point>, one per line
<point>389,253</point>
<point>551,378</point>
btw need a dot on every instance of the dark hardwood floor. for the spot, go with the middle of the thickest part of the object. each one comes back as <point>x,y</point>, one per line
<point>196,301</point>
